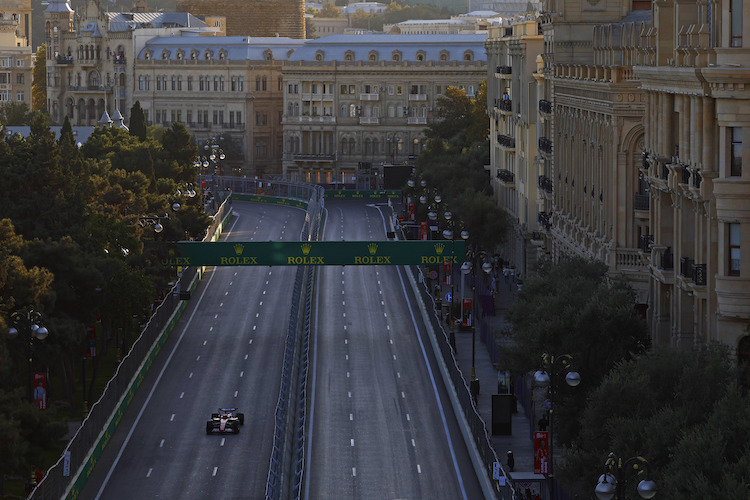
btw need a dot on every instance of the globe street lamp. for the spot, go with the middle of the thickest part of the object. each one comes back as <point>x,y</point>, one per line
<point>552,368</point>
<point>27,323</point>
<point>617,474</point>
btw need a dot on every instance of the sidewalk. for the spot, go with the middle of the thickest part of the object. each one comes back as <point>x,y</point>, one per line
<point>520,441</point>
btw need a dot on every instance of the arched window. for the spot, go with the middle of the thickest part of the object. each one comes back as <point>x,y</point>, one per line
<point>222,54</point>
<point>373,56</point>
<point>468,55</point>
<point>147,55</point>
<point>165,54</point>
<point>180,55</point>
<point>349,55</point>
<point>193,55</point>
<point>421,56</point>
<point>208,55</point>
<point>93,79</point>
<point>396,56</point>
<point>444,55</point>
<point>319,55</point>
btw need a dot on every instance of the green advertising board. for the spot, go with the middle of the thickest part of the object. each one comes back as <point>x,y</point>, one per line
<point>320,253</point>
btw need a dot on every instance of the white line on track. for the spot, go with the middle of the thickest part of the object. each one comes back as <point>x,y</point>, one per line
<point>161,444</point>
<point>182,395</point>
<point>216,469</point>
<point>223,440</point>
<point>148,474</point>
<point>172,418</point>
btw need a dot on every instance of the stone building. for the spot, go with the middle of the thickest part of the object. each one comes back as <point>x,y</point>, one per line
<point>257,18</point>
<point>90,58</point>
<point>693,69</point>
<point>227,88</point>
<point>353,103</point>
<point>515,166</point>
<point>16,58</point>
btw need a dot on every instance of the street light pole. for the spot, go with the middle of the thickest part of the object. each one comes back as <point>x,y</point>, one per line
<point>552,366</point>
<point>27,323</point>
<point>616,475</point>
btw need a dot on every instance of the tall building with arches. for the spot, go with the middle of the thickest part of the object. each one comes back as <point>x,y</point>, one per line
<point>90,57</point>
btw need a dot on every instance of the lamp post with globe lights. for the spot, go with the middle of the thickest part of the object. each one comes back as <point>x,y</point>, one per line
<point>617,474</point>
<point>553,367</point>
<point>27,323</point>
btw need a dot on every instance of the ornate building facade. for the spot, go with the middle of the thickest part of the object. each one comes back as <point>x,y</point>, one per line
<point>16,58</point>
<point>228,89</point>
<point>354,103</point>
<point>90,58</point>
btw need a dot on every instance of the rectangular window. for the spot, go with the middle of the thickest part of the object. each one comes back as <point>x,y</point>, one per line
<point>190,83</point>
<point>179,83</point>
<point>234,84</point>
<point>734,249</point>
<point>257,83</point>
<point>6,62</point>
<point>216,117</point>
<point>174,84</point>
<point>265,119</point>
<point>314,88</point>
<point>173,116</point>
<point>158,84</point>
<point>265,81</point>
<point>19,63</point>
<point>735,15</point>
<point>399,90</point>
<point>438,89</point>
<point>190,116</point>
<point>735,168</point>
<point>200,84</point>
<point>241,84</point>
<point>257,117</point>
<point>19,78</point>
<point>221,117</point>
<point>20,96</point>
<point>239,117</point>
<point>216,84</point>
<point>231,119</point>
<point>344,88</point>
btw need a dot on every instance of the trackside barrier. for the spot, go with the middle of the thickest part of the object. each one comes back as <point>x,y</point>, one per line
<point>288,439</point>
<point>66,478</point>
<point>474,421</point>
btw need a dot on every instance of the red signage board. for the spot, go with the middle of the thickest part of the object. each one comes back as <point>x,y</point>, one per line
<point>424,230</point>
<point>467,315</point>
<point>411,210</point>
<point>541,452</point>
<point>447,272</point>
<point>40,390</point>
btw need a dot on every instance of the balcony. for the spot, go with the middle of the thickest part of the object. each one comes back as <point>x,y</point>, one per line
<point>645,242</point>
<point>504,71</point>
<point>506,141</point>
<point>667,260</point>
<point>699,274</point>
<point>314,157</point>
<point>312,119</point>
<point>61,59</point>
<point>369,120</point>
<point>686,267</point>
<point>505,106</point>
<point>505,176</point>
<point>417,120</point>
<point>369,97</point>
<point>545,145</point>
<point>417,97</point>
<point>641,201</point>
<point>545,183</point>
<point>545,107</point>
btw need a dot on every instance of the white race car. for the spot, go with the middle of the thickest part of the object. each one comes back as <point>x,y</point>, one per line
<point>226,421</point>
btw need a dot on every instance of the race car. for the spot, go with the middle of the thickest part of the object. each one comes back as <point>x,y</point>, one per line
<point>226,421</point>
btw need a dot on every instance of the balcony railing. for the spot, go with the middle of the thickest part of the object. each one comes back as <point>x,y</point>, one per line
<point>543,219</point>
<point>685,175</point>
<point>61,59</point>
<point>641,201</point>
<point>545,183</point>
<point>697,178</point>
<point>417,97</point>
<point>686,267</point>
<point>545,106</point>
<point>545,145</point>
<point>505,105</point>
<point>417,120</point>
<point>699,274</point>
<point>314,157</point>
<point>369,97</point>
<point>645,242</point>
<point>506,141</point>
<point>505,176</point>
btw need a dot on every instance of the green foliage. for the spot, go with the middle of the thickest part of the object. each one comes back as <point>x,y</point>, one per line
<point>137,124</point>
<point>39,80</point>
<point>395,12</point>
<point>367,20</point>
<point>682,411</point>
<point>14,113</point>
<point>329,10</point>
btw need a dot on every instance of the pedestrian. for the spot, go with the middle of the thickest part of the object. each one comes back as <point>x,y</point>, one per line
<point>543,422</point>
<point>511,460</point>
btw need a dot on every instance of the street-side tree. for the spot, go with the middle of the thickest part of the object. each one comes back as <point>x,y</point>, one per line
<point>137,124</point>
<point>680,409</point>
<point>39,80</point>
<point>329,10</point>
<point>367,20</point>
<point>14,113</point>
<point>573,308</point>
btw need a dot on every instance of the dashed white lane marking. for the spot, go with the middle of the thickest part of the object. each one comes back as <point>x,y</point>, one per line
<point>221,305</point>
<point>191,375</point>
<point>251,341</point>
<point>216,316</point>
<point>347,357</point>
<point>413,443</point>
<point>408,418</point>
<point>391,341</point>
<point>264,292</point>
<point>235,393</point>
<point>351,416</point>
<point>346,341</point>
<point>198,358</point>
<point>343,302</point>
<point>342,292</point>
<point>261,303</point>
<point>182,394</point>
<point>354,471</point>
<point>419,469</point>
<point>148,474</point>
<point>398,374</point>
<point>257,314</point>
<point>204,342</point>
<point>171,419</point>
<point>216,469</point>
<point>224,439</point>
<point>226,293</point>
<point>352,441</point>
<point>394,356</point>
<point>246,356</point>
<point>242,374</point>
<point>347,374</point>
<point>211,329</point>
<point>350,394</point>
<point>161,444</point>
<point>403,395</point>
<point>382,303</point>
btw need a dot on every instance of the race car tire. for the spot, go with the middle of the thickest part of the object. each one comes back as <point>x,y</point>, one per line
<point>237,429</point>
<point>209,427</point>
<point>241,418</point>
